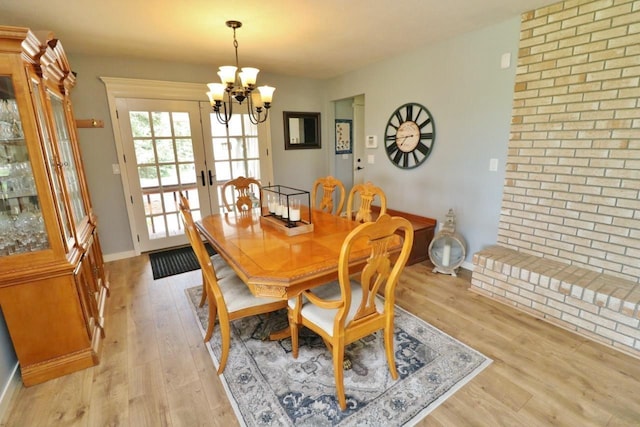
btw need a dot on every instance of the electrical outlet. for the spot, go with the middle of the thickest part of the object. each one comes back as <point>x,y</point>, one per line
<point>115,168</point>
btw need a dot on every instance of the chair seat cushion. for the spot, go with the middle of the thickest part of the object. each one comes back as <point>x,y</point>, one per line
<point>323,317</point>
<point>237,295</point>
<point>220,266</point>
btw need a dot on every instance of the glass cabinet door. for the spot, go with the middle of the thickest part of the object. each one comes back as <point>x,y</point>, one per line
<point>22,227</point>
<point>52,162</point>
<point>69,167</point>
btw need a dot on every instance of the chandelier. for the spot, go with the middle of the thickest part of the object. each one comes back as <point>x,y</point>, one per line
<point>239,87</point>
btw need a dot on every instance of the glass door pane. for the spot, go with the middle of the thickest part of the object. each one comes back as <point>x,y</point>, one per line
<point>21,224</point>
<point>69,167</point>
<point>52,163</point>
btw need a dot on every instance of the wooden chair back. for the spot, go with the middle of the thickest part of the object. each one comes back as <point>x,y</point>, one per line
<point>210,280</point>
<point>247,190</point>
<point>366,193</point>
<point>357,308</point>
<point>328,185</point>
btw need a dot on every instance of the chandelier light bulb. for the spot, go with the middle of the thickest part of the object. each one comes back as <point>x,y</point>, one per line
<point>248,76</point>
<point>266,93</point>
<point>216,92</point>
<point>227,74</point>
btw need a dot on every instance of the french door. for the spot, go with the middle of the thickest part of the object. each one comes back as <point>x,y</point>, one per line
<point>170,146</point>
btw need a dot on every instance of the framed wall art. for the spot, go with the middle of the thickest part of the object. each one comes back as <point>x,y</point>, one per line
<point>344,136</point>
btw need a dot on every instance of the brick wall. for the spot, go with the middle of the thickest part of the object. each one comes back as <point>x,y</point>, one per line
<point>572,188</point>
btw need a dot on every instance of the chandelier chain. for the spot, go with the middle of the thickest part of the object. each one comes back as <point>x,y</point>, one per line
<point>235,45</point>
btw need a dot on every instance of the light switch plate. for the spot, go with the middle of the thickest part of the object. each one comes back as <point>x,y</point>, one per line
<point>505,61</point>
<point>493,165</point>
<point>371,159</point>
<point>115,168</point>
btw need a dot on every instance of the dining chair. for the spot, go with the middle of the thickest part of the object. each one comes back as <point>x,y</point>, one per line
<point>220,266</point>
<point>229,297</point>
<point>329,185</point>
<point>348,309</point>
<point>366,193</point>
<point>248,190</point>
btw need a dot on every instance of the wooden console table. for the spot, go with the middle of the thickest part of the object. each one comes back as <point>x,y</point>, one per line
<point>423,231</point>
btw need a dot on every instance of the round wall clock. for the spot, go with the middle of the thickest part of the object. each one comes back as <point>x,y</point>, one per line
<point>410,135</point>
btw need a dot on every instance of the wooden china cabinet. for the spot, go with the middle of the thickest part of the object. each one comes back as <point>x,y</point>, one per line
<point>53,285</point>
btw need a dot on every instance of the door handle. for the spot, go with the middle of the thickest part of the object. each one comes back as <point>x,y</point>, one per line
<point>210,177</point>
<point>359,168</point>
<point>202,177</point>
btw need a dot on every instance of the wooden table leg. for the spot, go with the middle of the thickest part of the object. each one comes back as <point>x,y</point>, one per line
<point>279,335</point>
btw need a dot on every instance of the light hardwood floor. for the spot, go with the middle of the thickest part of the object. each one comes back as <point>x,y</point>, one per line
<point>155,370</point>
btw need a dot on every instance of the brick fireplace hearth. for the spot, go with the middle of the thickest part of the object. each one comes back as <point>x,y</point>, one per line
<point>568,246</point>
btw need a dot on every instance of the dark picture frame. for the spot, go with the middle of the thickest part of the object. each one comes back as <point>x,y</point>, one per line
<point>301,130</point>
<point>344,136</point>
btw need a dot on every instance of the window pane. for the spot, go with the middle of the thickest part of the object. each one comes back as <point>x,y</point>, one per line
<point>161,123</point>
<point>223,171</point>
<point>156,227</point>
<point>148,176</point>
<point>237,148</point>
<point>139,123</point>
<point>253,168</point>
<point>181,125</point>
<point>168,175</point>
<point>153,203</point>
<point>238,169</point>
<point>174,225</point>
<point>144,151</point>
<point>184,148</point>
<point>217,129</point>
<point>165,151</point>
<point>220,149</point>
<point>187,173</point>
<point>253,150</point>
<point>235,125</point>
<point>170,201</point>
<point>249,128</point>
<point>194,200</point>
<point>197,215</point>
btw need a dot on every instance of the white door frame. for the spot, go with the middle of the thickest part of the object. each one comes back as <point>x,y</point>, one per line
<point>118,87</point>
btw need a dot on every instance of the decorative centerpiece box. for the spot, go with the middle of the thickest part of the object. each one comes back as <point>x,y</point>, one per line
<point>287,209</point>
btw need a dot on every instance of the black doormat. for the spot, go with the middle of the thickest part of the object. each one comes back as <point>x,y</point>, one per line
<point>175,261</point>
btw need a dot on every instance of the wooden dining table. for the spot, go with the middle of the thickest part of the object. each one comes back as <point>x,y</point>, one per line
<point>275,264</point>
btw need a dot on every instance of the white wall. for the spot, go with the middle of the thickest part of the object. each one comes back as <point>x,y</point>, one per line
<point>469,96</point>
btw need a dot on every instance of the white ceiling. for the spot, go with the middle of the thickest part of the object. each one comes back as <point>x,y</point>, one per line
<point>312,38</point>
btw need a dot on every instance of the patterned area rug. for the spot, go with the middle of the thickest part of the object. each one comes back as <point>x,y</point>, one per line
<point>268,387</point>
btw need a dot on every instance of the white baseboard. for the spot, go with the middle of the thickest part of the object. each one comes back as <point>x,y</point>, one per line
<point>118,255</point>
<point>9,391</point>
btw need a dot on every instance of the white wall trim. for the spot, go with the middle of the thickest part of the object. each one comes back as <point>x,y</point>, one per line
<point>9,392</point>
<point>118,255</point>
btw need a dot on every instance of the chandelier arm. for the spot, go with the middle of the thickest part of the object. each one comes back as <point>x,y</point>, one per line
<point>255,114</point>
<point>225,118</point>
